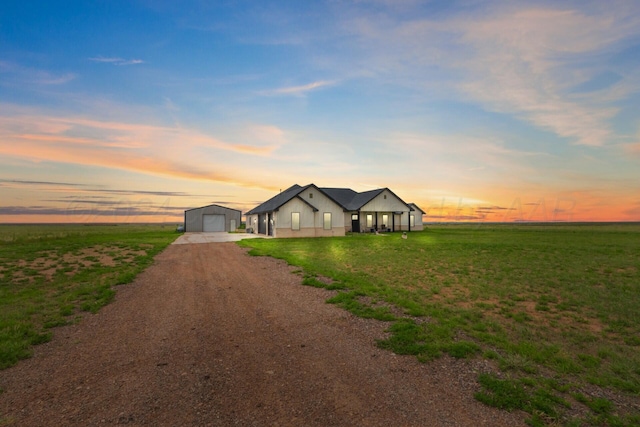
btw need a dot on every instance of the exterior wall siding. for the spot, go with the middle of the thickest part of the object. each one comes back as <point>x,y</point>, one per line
<point>385,203</point>
<point>311,222</point>
<point>347,221</point>
<point>252,223</point>
<point>380,204</point>
<point>194,222</point>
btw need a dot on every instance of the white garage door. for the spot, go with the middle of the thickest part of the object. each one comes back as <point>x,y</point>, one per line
<point>213,223</point>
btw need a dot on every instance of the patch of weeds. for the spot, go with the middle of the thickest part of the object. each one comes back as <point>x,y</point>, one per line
<point>519,316</point>
<point>633,340</point>
<point>566,365</point>
<point>542,307</point>
<point>491,355</point>
<point>517,362</point>
<point>543,302</point>
<point>603,412</point>
<point>410,338</point>
<point>484,306</point>
<point>506,394</point>
<point>102,296</point>
<point>40,338</point>
<point>125,278</point>
<point>313,282</point>
<point>30,272</point>
<point>16,340</point>
<point>520,394</point>
<point>588,361</point>
<point>52,323</point>
<point>462,349</point>
<point>350,302</point>
<point>66,310</point>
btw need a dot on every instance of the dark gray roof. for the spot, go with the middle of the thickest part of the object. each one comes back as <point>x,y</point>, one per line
<point>348,199</point>
<point>416,208</point>
<point>280,199</point>
<point>341,196</point>
<point>223,207</point>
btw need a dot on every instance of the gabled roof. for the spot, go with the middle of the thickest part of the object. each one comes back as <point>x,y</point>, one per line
<point>415,207</point>
<point>349,199</point>
<point>280,199</point>
<point>346,198</point>
<point>208,206</point>
<point>342,196</point>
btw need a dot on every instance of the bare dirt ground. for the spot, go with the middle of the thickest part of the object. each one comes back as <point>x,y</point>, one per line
<point>209,336</point>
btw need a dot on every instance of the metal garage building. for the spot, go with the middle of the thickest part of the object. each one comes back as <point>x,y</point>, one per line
<point>211,218</point>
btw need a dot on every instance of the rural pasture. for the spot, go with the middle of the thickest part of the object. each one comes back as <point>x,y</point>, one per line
<point>556,307</point>
<point>553,307</point>
<point>50,274</point>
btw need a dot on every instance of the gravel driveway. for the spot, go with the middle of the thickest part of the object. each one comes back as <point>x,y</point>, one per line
<point>215,237</point>
<point>209,336</point>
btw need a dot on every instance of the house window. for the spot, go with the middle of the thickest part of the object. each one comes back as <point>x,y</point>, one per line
<point>385,220</point>
<point>354,217</point>
<point>327,221</point>
<point>385,197</point>
<point>369,220</point>
<point>311,195</point>
<point>295,220</point>
<point>412,220</point>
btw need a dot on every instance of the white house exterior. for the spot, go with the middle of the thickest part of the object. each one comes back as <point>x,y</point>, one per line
<point>310,211</point>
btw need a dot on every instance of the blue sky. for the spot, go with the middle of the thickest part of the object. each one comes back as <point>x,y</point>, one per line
<point>474,110</point>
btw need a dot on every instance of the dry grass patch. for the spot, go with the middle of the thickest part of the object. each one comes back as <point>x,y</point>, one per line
<point>49,274</point>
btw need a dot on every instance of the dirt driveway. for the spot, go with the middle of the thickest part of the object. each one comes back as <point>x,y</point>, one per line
<point>209,336</point>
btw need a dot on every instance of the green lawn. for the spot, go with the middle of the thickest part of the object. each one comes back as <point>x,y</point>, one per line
<point>557,307</point>
<point>49,274</point>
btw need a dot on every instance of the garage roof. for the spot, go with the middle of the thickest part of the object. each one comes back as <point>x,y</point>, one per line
<point>218,206</point>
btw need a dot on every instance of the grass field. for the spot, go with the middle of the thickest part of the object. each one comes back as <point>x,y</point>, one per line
<point>556,307</point>
<point>51,273</point>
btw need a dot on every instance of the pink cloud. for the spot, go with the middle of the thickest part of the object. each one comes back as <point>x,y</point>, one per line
<point>137,147</point>
<point>633,148</point>
<point>298,90</point>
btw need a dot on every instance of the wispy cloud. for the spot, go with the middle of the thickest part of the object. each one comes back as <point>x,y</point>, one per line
<point>298,90</point>
<point>525,61</point>
<point>116,60</point>
<point>111,211</point>
<point>40,183</point>
<point>633,148</point>
<point>17,74</point>
<point>162,150</point>
<point>92,189</point>
<point>516,60</point>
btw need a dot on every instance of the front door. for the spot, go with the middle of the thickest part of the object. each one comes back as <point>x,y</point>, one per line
<point>355,223</point>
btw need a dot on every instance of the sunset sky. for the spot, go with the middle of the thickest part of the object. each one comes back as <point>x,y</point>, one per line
<point>127,111</point>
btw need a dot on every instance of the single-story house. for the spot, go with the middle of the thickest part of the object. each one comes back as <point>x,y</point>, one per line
<point>311,211</point>
<point>212,218</point>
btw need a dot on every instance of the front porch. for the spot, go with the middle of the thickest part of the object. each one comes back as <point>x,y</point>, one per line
<point>382,222</point>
